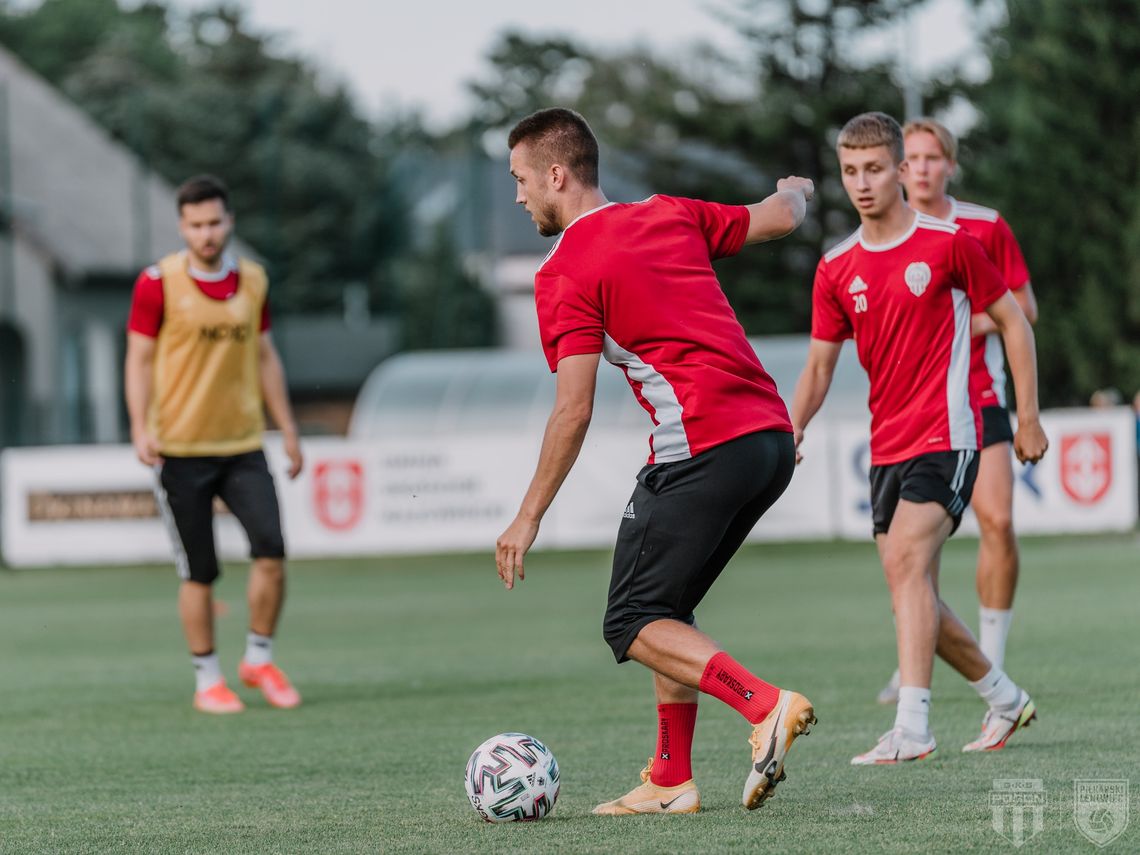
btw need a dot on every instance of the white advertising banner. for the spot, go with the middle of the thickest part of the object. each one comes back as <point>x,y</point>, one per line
<point>94,504</point>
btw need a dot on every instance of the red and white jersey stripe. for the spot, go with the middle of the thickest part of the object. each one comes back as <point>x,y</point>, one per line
<point>987,359</point>
<point>635,283</point>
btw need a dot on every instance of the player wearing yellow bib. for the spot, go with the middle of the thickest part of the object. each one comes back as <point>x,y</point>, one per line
<point>200,368</point>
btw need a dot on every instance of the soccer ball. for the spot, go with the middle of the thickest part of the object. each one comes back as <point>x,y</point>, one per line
<point>512,777</point>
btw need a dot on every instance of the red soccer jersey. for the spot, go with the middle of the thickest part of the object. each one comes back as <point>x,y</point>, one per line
<point>148,302</point>
<point>987,360</point>
<point>635,283</point>
<point>907,304</point>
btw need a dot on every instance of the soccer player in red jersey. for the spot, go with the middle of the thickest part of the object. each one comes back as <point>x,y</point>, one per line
<point>932,160</point>
<point>904,287</point>
<point>634,282</point>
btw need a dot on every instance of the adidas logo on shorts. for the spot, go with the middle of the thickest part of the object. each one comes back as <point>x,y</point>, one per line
<point>628,512</point>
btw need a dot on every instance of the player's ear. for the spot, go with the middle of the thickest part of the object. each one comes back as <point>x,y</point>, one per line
<point>557,176</point>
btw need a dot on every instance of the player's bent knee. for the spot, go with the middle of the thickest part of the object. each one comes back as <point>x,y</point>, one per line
<point>995,521</point>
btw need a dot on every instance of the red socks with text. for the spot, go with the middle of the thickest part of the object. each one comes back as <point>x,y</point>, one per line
<point>729,681</point>
<point>672,765</point>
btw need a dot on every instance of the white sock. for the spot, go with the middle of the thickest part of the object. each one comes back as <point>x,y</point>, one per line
<point>207,671</point>
<point>997,690</point>
<point>258,649</point>
<point>913,711</point>
<point>993,629</point>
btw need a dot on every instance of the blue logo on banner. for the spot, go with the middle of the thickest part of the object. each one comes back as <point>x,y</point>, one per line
<point>1028,473</point>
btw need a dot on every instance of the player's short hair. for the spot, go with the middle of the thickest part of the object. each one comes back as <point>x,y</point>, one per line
<point>941,133</point>
<point>203,188</point>
<point>868,130</point>
<point>558,135</point>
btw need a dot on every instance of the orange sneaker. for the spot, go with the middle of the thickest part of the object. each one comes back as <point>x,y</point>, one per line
<point>272,682</point>
<point>218,699</point>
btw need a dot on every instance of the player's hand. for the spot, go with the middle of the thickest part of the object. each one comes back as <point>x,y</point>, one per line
<point>1030,442</point>
<point>794,182</point>
<point>510,548</point>
<point>146,447</point>
<point>798,436</point>
<point>293,452</point>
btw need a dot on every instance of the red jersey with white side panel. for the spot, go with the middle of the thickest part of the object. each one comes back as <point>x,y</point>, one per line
<point>635,283</point>
<point>907,304</point>
<point>987,360</point>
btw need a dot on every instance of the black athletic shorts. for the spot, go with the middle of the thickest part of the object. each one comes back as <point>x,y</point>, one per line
<point>683,523</point>
<point>945,477</point>
<point>186,491</point>
<point>995,426</point>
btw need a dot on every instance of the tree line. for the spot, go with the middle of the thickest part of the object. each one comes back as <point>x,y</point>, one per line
<point>321,191</point>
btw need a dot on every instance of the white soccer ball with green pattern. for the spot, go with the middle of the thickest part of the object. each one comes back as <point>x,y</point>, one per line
<point>512,777</point>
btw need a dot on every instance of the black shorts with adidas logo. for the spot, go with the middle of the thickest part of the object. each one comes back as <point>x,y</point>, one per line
<point>684,522</point>
<point>945,477</point>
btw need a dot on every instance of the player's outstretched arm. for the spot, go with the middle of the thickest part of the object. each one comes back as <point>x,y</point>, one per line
<point>811,388</point>
<point>1029,443</point>
<point>565,432</point>
<point>782,212</point>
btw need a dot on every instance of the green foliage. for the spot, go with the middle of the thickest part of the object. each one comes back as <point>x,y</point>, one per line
<point>1056,152</point>
<point>440,304</point>
<point>668,123</point>
<point>310,178</point>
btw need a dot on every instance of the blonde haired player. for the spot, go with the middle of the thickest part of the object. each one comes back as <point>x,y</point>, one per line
<point>903,287</point>
<point>200,365</point>
<point>932,161</point>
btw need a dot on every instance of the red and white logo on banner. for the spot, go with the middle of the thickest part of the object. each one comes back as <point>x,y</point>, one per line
<point>338,493</point>
<point>1086,466</point>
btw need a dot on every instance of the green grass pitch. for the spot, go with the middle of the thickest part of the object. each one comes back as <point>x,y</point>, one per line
<point>406,664</point>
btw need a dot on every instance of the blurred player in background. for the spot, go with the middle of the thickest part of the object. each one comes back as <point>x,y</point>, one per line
<point>200,364</point>
<point>932,160</point>
<point>634,282</point>
<point>904,287</point>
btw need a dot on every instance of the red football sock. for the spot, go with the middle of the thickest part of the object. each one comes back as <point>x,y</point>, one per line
<point>673,763</point>
<point>729,681</point>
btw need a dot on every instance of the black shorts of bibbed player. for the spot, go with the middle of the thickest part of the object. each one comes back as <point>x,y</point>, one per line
<point>186,489</point>
<point>683,523</point>
<point>945,477</point>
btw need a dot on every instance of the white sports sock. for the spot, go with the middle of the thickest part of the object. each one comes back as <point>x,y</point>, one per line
<point>207,671</point>
<point>913,711</point>
<point>997,690</point>
<point>258,649</point>
<point>993,630</point>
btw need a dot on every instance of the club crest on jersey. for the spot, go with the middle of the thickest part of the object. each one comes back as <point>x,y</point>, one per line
<point>917,277</point>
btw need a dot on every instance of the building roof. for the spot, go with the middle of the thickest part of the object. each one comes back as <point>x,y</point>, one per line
<point>76,194</point>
